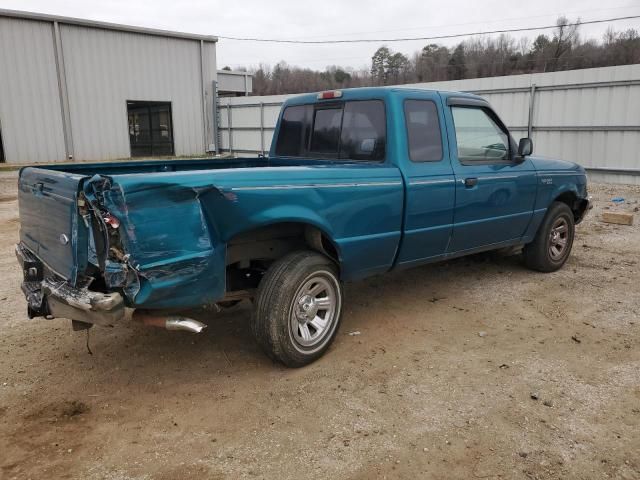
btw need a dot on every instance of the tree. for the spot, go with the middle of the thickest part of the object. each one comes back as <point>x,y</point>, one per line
<point>396,68</point>
<point>564,37</point>
<point>472,58</point>
<point>431,64</point>
<point>457,67</point>
<point>379,63</point>
<point>340,76</point>
<point>540,53</point>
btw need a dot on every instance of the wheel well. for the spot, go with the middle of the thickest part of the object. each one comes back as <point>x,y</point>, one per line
<point>250,253</point>
<point>577,206</point>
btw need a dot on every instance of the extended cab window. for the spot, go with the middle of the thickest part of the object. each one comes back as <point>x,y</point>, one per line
<point>292,140</point>
<point>423,131</point>
<point>354,130</point>
<point>479,137</point>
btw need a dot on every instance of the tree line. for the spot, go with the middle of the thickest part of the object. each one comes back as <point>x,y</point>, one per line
<point>563,49</point>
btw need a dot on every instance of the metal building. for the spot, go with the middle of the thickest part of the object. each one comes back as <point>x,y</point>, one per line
<point>74,89</point>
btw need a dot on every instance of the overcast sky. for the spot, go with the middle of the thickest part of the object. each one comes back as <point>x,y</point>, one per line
<point>333,19</point>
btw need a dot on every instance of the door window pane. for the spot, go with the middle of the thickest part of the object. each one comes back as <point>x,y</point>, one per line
<point>325,138</point>
<point>423,131</point>
<point>1,150</point>
<point>479,138</point>
<point>150,128</point>
<point>363,131</point>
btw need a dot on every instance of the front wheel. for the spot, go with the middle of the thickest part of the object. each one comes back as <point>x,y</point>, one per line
<point>552,244</point>
<point>298,307</point>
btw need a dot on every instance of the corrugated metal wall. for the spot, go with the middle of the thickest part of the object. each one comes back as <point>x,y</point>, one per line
<point>102,69</point>
<point>106,68</point>
<point>589,116</point>
<point>30,110</point>
<point>234,82</point>
<point>210,75</point>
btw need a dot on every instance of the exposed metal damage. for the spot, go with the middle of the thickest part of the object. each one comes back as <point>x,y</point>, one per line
<point>105,248</point>
<point>118,267</point>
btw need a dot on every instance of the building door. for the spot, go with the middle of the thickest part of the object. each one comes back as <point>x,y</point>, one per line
<point>2,160</point>
<point>150,128</point>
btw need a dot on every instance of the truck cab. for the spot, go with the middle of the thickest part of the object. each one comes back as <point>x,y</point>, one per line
<point>468,185</point>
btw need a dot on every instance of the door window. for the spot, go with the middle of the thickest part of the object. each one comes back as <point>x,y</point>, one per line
<point>423,131</point>
<point>479,138</point>
<point>150,128</point>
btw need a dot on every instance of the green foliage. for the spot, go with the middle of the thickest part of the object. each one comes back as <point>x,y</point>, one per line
<point>379,63</point>
<point>563,49</point>
<point>457,64</point>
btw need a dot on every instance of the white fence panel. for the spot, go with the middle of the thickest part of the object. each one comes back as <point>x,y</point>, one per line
<point>589,116</point>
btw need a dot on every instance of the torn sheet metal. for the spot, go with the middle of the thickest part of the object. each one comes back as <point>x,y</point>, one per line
<point>164,253</point>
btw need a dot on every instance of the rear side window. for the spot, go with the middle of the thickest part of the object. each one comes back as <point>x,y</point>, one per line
<point>423,131</point>
<point>292,140</point>
<point>353,130</point>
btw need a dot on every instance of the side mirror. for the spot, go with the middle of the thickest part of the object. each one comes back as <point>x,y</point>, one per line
<point>525,147</point>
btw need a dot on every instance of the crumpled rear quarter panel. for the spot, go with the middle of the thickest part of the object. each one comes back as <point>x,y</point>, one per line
<point>164,229</point>
<point>176,225</point>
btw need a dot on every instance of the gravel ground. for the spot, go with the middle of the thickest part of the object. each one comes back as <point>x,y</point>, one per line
<point>438,384</point>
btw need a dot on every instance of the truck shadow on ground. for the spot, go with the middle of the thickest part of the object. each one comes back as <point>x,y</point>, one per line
<point>149,354</point>
<point>141,379</point>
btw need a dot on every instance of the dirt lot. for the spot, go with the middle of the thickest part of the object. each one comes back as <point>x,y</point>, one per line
<point>438,384</point>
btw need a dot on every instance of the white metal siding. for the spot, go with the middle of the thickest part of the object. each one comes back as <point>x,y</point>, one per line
<point>234,82</point>
<point>210,75</point>
<point>589,123</point>
<point>30,111</point>
<point>106,68</point>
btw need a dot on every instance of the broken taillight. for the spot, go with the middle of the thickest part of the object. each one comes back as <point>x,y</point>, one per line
<point>111,220</point>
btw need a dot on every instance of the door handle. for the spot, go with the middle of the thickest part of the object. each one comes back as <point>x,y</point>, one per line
<point>470,182</point>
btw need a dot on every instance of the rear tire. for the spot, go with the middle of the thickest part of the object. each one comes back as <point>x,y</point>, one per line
<point>552,244</point>
<point>298,307</point>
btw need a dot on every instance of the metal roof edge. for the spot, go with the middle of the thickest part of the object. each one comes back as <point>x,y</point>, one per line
<point>234,72</point>
<point>45,17</point>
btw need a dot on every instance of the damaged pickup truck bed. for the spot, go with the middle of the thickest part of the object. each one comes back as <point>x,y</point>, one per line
<point>358,182</point>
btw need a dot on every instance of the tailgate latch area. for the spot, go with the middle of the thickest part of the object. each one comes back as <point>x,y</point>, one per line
<point>51,297</point>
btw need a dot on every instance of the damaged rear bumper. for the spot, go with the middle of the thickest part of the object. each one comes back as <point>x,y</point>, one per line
<point>51,297</point>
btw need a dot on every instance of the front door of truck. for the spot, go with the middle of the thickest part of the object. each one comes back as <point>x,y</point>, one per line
<point>430,193</point>
<point>495,191</point>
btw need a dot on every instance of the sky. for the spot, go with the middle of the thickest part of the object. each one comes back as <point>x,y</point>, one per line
<point>333,19</point>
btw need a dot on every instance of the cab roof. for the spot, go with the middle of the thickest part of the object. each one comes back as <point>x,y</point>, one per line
<point>363,93</point>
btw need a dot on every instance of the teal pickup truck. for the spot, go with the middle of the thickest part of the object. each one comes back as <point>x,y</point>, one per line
<point>358,182</point>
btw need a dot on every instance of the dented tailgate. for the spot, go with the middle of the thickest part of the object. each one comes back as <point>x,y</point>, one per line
<point>50,224</point>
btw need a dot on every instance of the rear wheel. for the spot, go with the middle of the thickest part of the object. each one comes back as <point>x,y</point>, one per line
<point>552,244</point>
<point>298,307</point>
